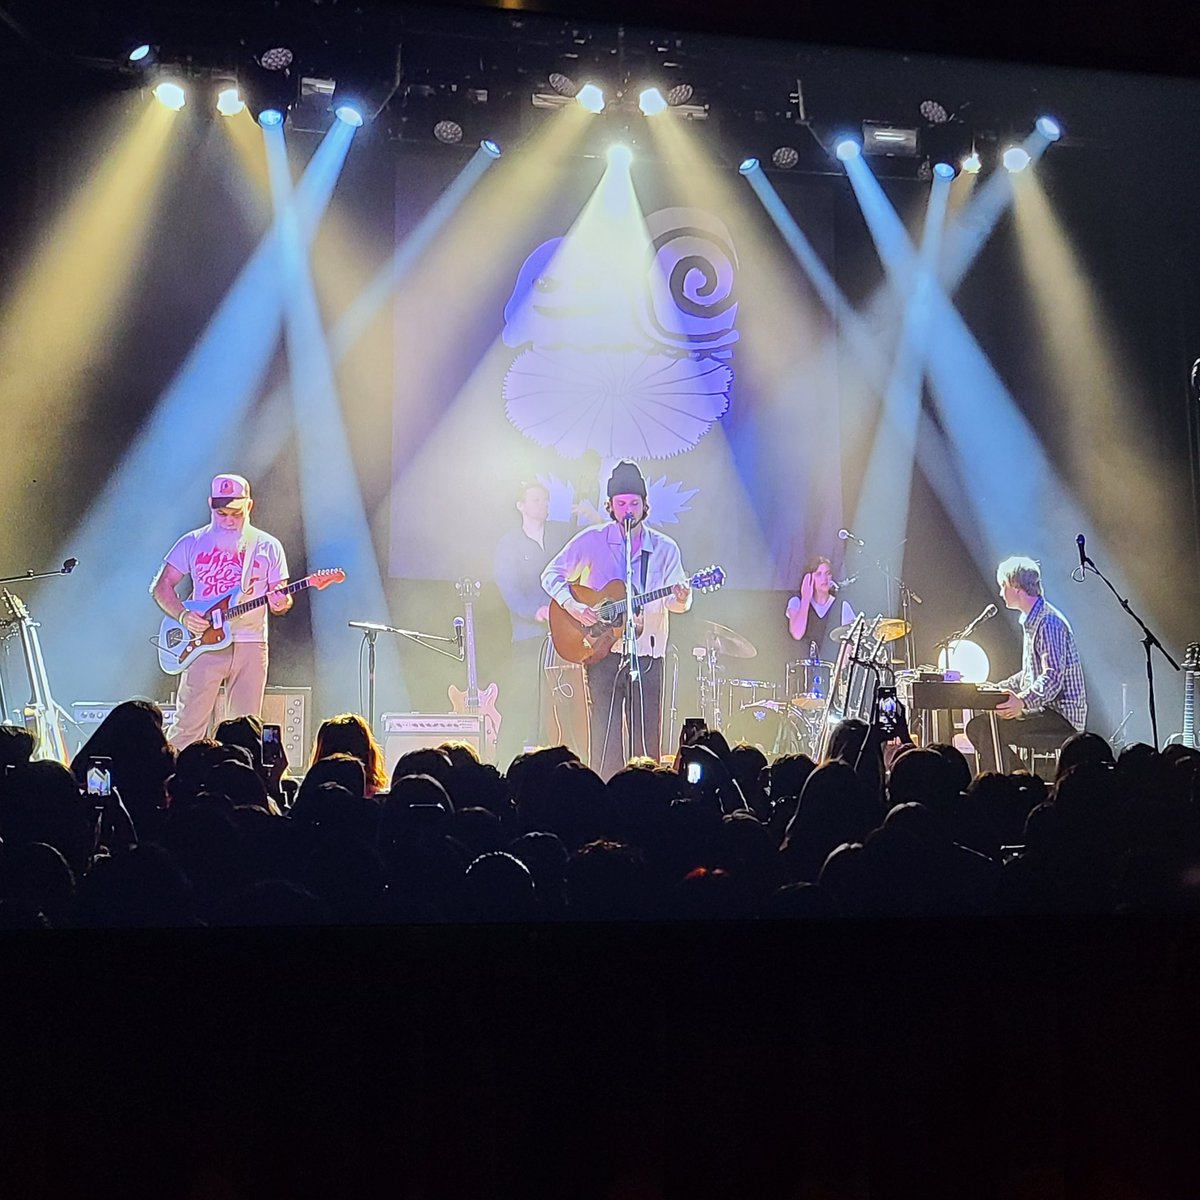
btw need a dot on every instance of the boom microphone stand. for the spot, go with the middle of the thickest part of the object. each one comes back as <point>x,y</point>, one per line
<point>1149,640</point>
<point>371,630</point>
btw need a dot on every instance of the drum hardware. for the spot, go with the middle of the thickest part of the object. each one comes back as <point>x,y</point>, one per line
<point>721,642</point>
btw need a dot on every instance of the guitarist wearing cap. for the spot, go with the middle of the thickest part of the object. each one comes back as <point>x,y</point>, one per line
<point>623,721</point>
<point>227,553</point>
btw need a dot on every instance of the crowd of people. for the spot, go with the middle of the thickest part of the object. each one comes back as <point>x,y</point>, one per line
<point>212,836</point>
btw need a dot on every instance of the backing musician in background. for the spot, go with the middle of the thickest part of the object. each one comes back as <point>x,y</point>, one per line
<point>594,557</point>
<point>813,614</point>
<point>1047,696</point>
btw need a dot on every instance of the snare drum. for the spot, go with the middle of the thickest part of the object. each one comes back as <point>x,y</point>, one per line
<point>741,692</point>
<point>769,725</point>
<point>807,684</point>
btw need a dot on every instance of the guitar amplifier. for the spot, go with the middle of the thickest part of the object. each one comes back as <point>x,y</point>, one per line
<point>417,731</point>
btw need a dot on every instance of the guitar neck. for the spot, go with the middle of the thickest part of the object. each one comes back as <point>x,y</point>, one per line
<point>236,610</point>
<point>644,598</point>
<point>469,647</point>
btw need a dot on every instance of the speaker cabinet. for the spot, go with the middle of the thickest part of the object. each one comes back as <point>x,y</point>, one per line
<point>288,707</point>
<point>417,731</point>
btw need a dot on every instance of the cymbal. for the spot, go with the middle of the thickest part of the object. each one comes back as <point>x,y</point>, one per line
<point>726,641</point>
<point>840,634</point>
<point>808,702</point>
<point>891,628</point>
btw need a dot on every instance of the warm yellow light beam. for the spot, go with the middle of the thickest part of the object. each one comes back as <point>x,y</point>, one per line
<point>57,319</point>
<point>1108,451</point>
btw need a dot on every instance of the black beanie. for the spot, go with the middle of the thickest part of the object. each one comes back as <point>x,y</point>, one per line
<point>626,480</point>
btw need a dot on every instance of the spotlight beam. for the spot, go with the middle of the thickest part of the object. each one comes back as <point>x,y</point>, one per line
<point>198,422</point>
<point>336,530</point>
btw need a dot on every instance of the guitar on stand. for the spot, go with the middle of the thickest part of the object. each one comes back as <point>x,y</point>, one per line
<point>474,702</point>
<point>588,644</point>
<point>178,646</point>
<point>1191,666</point>
<point>43,715</point>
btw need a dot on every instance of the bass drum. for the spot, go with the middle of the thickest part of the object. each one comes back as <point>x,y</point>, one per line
<point>769,725</point>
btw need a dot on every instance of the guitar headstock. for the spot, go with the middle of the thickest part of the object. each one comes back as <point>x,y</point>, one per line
<point>322,579</point>
<point>468,589</point>
<point>1191,658</point>
<point>709,580</point>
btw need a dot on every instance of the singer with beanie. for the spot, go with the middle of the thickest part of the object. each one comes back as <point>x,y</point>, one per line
<point>625,716</point>
<point>226,553</point>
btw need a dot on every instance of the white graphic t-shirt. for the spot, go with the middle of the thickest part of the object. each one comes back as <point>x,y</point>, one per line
<point>215,561</point>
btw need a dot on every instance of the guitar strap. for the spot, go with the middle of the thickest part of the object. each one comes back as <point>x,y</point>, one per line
<point>645,568</point>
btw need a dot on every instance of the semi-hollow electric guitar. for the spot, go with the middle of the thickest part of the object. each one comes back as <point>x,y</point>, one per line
<point>588,644</point>
<point>178,646</point>
<point>475,701</point>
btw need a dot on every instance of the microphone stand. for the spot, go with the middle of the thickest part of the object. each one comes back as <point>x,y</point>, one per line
<point>906,594</point>
<point>65,569</point>
<point>371,630</point>
<point>1149,641</point>
<point>630,635</point>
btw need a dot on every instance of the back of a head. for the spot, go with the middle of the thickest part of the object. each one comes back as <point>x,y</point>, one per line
<point>1082,748</point>
<point>956,761</point>
<point>328,807</point>
<point>847,741</point>
<point>397,821</point>
<point>498,887</point>
<point>341,768</point>
<point>923,777</point>
<point>349,734</point>
<point>606,881</point>
<point>431,762</point>
<point>242,731</point>
<point>239,783</point>
<point>789,773</point>
<point>746,764</point>
<point>16,746</point>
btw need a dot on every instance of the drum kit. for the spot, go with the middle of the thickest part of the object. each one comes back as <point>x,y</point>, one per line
<point>779,717</point>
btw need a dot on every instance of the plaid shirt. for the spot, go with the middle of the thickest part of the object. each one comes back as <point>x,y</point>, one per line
<point>1051,676</point>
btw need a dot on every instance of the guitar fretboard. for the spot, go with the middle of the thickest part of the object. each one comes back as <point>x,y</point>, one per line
<point>236,610</point>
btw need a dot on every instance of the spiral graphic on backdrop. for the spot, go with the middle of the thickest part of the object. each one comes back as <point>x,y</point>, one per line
<point>689,303</point>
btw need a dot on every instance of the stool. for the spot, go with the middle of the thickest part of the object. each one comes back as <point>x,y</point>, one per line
<point>1040,754</point>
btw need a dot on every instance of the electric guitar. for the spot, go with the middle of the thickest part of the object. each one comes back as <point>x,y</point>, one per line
<point>588,644</point>
<point>473,701</point>
<point>178,646</point>
<point>1191,665</point>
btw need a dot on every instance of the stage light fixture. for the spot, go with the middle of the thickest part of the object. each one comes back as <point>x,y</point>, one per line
<point>847,148</point>
<point>1049,128</point>
<point>924,171</point>
<point>620,155</point>
<point>891,140</point>
<point>591,97</point>
<point>681,93</point>
<point>269,118</point>
<point>944,170</point>
<point>142,55</point>
<point>170,95</point>
<point>449,133</point>
<point>934,112</point>
<point>349,114</point>
<point>1015,159</point>
<point>564,85</point>
<point>651,102</point>
<point>278,58</point>
<point>784,158</point>
<point>229,101</point>
<point>972,164</point>
<point>747,165</point>
<point>490,148</point>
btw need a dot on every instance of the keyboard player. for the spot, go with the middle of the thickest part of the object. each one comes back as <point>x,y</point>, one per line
<point>1046,698</point>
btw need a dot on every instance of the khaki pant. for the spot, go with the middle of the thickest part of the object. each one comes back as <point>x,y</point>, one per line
<point>242,668</point>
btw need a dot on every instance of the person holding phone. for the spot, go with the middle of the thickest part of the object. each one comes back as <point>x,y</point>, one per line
<point>228,552</point>
<point>813,612</point>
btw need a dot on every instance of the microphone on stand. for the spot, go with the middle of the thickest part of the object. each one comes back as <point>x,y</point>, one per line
<point>1080,541</point>
<point>458,636</point>
<point>1195,376</point>
<point>987,614</point>
<point>69,565</point>
<point>847,536</point>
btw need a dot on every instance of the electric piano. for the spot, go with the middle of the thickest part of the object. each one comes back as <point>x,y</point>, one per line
<point>939,697</point>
